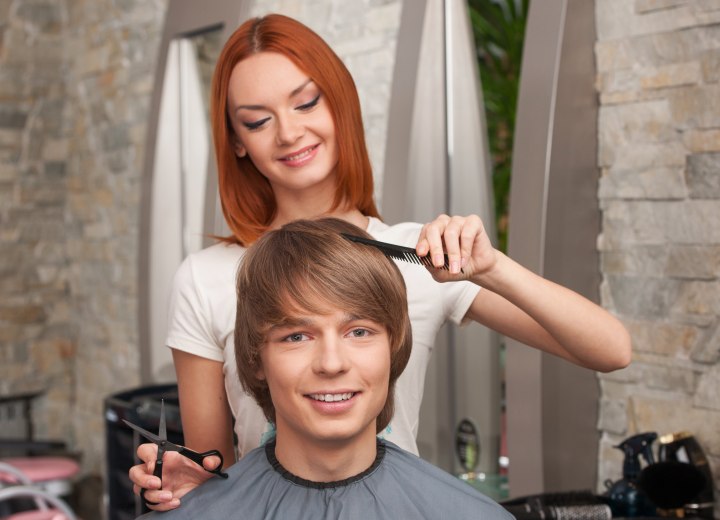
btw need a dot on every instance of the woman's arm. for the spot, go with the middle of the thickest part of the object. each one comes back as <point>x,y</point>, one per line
<point>207,425</point>
<point>206,417</point>
<point>522,305</point>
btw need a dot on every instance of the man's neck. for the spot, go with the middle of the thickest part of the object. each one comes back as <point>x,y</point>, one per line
<point>326,461</point>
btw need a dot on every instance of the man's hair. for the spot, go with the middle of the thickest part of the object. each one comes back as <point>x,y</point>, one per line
<point>247,199</point>
<point>307,266</point>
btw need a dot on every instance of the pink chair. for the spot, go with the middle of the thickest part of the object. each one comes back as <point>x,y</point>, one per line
<point>44,479</point>
<point>59,510</point>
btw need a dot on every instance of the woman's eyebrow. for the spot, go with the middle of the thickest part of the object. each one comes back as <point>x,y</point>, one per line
<point>293,93</point>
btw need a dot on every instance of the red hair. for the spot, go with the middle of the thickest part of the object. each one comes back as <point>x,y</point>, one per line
<point>247,199</point>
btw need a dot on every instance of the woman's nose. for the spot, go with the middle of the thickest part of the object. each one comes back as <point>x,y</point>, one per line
<point>289,130</point>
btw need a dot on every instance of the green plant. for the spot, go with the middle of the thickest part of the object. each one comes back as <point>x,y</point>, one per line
<point>499,30</point>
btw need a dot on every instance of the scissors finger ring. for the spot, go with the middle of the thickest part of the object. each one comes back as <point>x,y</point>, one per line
<point>142,495</point>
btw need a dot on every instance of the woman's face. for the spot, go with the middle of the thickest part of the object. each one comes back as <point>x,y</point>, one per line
<point>283,123</point>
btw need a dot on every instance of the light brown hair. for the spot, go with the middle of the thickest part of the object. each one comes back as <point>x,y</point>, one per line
<point>308,265</point>
<point>247,199</point>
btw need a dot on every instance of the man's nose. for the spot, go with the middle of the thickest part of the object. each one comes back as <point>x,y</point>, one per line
<point>331,356</point>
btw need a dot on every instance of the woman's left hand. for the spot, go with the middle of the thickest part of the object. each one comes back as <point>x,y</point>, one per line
<point>465,242</point>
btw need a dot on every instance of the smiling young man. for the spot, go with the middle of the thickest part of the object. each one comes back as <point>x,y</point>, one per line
<point>322,334</point>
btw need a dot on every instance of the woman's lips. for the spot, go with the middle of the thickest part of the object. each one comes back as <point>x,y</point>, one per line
<point>300,157</point>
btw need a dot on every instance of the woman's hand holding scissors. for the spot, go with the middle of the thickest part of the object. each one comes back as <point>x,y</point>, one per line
<point>180,476</point>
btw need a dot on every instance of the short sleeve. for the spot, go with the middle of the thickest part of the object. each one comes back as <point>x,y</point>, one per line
<point>189,317</point>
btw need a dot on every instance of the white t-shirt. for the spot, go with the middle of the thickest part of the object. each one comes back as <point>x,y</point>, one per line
<point>202,321</point>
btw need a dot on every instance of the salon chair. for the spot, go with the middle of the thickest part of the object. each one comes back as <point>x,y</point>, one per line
<point>45,465</point>
<point>16,487</point>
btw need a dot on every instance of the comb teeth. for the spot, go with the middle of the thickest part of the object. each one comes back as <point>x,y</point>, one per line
<point>404,254</point>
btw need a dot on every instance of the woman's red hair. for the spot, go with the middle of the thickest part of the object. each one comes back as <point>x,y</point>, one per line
<point>247,199</point>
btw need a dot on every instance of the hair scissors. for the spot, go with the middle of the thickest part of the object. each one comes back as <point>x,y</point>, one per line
<point>165,445</point>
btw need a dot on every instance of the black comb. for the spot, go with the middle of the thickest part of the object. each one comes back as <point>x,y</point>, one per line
<point>406,254</point>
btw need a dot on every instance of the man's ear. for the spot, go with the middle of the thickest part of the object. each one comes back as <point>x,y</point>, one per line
<point>238,147</point>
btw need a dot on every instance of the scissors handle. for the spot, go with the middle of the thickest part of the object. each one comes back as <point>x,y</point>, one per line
<point>158,469</point>
<point>198,458</point>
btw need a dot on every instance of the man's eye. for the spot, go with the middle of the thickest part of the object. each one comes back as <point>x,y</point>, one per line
<point>254,125</point>
<point>310,104</point>
<point>292,338</point>
<point>360,333</point>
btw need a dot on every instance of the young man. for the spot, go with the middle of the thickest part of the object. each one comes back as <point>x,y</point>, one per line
<point>322,334</point>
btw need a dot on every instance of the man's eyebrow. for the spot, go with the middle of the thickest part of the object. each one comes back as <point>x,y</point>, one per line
<point>301,321</point>
<point>293,93</point>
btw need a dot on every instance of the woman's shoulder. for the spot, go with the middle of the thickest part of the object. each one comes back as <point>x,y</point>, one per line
<point>214,264</point>
<point>404,233</point>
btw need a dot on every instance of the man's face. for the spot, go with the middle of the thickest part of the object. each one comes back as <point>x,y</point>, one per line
<point>328,376</point>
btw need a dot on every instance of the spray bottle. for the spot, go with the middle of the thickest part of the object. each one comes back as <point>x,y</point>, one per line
<point>625,498</point>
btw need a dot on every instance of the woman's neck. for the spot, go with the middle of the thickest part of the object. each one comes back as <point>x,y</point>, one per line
<point>285,215</point>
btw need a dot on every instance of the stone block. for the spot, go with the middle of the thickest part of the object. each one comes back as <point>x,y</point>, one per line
<point>12,117</point>
<point>708,390</point>
<point>44,16</point>
<point>639,297</point>
<point>642,156</point>
<point>657,183</point>
<point>671,379</point>
<point>699,140</point>
<point>690,222</point>
<point>693,262</point>
<point>674,75</point>
<point>648,122</point>
<point>644,6</point>
<point>55,150</point>
<point>710,63</point>
<point>703,175</point>
<point>632,223</point>
<point>662,338</point>
<point>616,19</point>
<point>707,348</point>
<point>22,313</point>
<point>696,107</point>
<point>697,297</point>
<point>116,137</point>
<point>613,416</point>
<point>677,414</point>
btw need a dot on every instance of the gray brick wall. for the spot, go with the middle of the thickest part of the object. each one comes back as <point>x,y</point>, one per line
<point>659,152</point>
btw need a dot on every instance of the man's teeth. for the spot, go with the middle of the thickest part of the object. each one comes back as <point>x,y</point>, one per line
<point>332,397</point>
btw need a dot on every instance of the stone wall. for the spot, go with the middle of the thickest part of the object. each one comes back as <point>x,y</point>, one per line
<point>659,151</point>
<point>75,84</point>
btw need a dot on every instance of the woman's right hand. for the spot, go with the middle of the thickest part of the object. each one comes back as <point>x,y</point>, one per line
<point>180,475</point>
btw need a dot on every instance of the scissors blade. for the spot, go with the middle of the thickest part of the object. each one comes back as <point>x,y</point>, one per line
<point>162,431</point>
<point>149,436</point>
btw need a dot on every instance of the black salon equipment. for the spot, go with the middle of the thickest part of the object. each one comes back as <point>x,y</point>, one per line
<point>626,499</point>
<point>684,448</point>
<point>670,484</point>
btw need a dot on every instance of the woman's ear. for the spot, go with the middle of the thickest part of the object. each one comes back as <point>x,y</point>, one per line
<point>238,147</point>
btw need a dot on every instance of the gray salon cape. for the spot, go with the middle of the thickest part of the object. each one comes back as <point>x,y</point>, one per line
<point>397,486</point>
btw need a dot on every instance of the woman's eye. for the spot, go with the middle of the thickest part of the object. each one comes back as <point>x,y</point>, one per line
<point>310,104</point>
<point>254,125</point>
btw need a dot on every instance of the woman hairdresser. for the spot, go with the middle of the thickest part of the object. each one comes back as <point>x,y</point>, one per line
<point>289,143</point>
